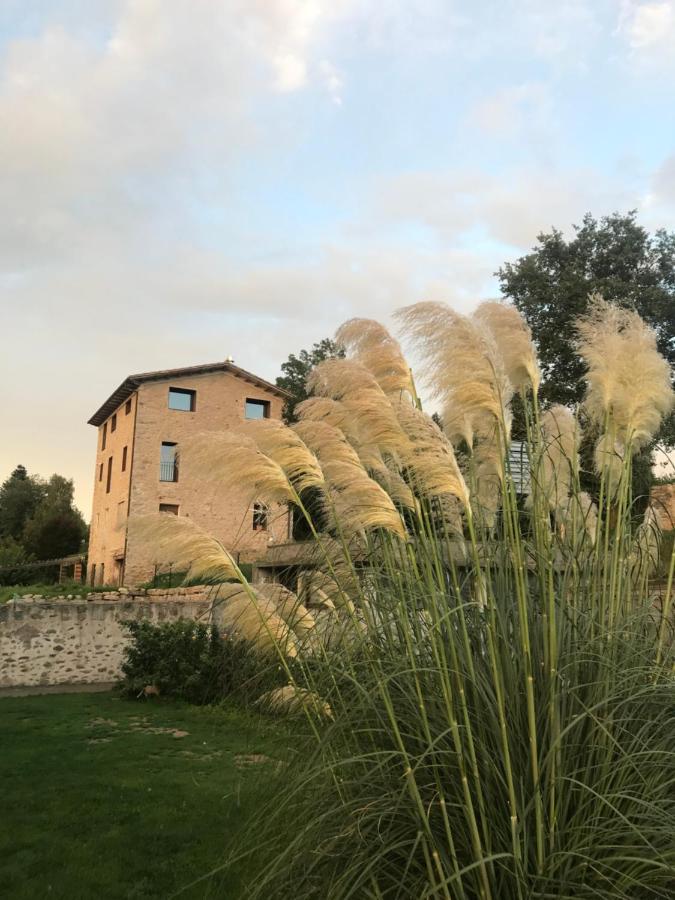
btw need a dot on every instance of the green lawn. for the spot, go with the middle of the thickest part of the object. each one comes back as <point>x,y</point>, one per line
<point>103,797</point>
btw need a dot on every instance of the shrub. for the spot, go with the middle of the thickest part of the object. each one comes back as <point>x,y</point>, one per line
<point>191,661</point>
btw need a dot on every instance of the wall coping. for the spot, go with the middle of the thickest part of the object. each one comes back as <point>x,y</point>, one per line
<point>124,595</point>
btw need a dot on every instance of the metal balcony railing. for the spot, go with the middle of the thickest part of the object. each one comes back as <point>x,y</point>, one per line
<point>168,471</point>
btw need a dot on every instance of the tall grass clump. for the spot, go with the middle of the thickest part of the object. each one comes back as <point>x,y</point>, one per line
<point>498,675</point>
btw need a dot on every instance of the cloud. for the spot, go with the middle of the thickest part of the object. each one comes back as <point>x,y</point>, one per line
<point>332,81</point>
<point>177,183</point>
<point>515,111</point>
<point>649,29</point>
<point>510,207</point>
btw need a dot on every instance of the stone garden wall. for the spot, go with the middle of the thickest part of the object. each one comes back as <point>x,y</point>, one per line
<point>81,640</point>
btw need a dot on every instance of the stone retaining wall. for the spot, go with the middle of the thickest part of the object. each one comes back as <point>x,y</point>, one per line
<point>76,641</point>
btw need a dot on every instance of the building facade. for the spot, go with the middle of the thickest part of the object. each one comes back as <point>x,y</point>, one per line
<point>140,470</point>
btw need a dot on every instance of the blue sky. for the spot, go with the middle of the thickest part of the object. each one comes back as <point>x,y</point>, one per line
<point>186,179</point>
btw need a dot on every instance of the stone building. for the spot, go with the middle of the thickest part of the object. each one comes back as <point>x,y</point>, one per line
<point>140,470</point>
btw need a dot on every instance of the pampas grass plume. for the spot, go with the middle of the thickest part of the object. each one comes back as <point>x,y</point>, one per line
<point>627,378</point>
<point>178,540</point>
<point>514,340</point>
<point>371,344</point>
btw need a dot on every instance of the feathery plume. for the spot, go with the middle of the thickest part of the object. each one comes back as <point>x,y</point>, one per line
<point>514,341</point>
<point>371,422</point>
<point>430,461</point>
<point>558,460</point>
<point>323,409</point>
<point>462,366</point>
<point>609,457</point>
<point>356,502</point>
<point>361,505</point>
<point>371,344</point>
<point>489,477</point>
<point>282,445</point>
<point>578,520</point>
<point>294,613</point>
<point>179,541</point>
<point>394,484</point>
<point>293,700</point>
<point>626,376</point>
<point>326,441</point>
<point>233,460</point>
<point>254,618</point>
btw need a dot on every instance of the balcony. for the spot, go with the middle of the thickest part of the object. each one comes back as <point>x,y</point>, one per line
<point>168,471</point>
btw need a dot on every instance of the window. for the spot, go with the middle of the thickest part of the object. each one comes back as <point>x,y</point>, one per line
<point>93,574</point>
<point>100,472</point>
<point>127,408</point>
<point>257,409</point>
<point>183,400</point>
<point>113,423</point>
<point>260,515</point>
<point>124,458</point>
<point>105,435</point>
<point>121,513</point>
<point>168,508</point>
<point>109,476</point>
<point>168,462</point>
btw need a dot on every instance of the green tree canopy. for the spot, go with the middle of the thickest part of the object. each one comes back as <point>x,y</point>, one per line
<point>297,368</point>
<point>20,496</point>
<point>551,285</point>
<point>613,256</point>
<point>38,516</point>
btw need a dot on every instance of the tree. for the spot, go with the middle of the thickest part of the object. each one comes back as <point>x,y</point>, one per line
<point>38,517</point>
<point>57,528</point>
<point>613,256</point>
<point>54,533</point>
<point>297,368</point>
<point>20,496</point>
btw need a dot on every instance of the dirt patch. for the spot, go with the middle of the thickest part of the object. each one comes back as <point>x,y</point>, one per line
<point>143,725</point>
<point>97,723</point>
<point>201,757</point>
<point>243,760</point>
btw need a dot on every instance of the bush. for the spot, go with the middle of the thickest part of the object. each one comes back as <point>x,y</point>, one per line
<point>191,661</point>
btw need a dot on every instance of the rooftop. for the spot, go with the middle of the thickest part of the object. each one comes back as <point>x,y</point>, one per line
<point>132,382</point>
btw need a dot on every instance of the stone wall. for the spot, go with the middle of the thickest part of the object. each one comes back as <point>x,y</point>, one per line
<point>78,641</point>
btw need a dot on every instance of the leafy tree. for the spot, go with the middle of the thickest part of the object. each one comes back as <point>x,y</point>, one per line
<point>297,368</point>
<point>38,517</point>
<point>613,256</point>
<point>20,496</point>
<point>57,528</point>
<point>13,558</point>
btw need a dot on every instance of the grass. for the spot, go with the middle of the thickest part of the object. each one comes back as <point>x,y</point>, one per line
<point>100,799</point>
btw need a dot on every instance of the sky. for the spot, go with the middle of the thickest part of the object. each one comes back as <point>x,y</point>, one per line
<point>184,180</point>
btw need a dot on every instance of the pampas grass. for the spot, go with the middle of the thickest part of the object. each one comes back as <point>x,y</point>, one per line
<point>233,461</point>
<point>371,420</point>
<point>626,377</point>
<point>558,462</point>
<point>430,459</point>
<point>501,690</point>
<point>514,341</point>
<point>462,367</point>
<point>284,447</point>
<point>292,700</point>
<point>370,343</point>
<point>249,616</point>
<point>188,547</point>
